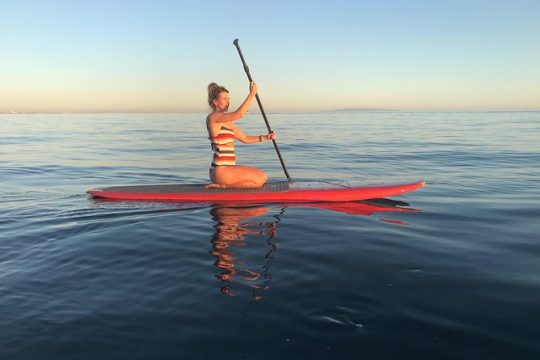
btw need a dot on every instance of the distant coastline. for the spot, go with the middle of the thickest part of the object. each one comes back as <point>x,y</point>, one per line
<point>358,110</point>
<point>256,111</point>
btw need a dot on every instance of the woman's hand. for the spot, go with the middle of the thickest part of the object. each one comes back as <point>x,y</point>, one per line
<point>269,136</point>
<point>252,88</point>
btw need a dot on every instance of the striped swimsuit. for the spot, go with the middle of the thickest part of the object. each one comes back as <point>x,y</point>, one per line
<point>223,146</point>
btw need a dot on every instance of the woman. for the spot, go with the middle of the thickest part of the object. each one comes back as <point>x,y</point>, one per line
<point>222,131</point>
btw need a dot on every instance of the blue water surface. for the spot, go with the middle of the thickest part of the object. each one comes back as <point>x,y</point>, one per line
<point>451,271</point>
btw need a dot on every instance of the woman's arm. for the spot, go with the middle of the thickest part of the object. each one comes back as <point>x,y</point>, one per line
<point>239,113</point>
<point>250,139</point>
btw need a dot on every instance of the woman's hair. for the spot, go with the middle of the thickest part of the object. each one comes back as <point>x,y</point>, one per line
<point>213,92</point>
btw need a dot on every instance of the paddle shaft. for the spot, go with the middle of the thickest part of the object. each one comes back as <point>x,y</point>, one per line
<point>246,68</point>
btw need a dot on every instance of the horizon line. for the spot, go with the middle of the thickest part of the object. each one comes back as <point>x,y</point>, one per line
<point>343,111</point>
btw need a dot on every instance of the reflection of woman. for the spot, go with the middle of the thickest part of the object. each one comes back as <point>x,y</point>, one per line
<point>222,131</point>
<point>232,232</point>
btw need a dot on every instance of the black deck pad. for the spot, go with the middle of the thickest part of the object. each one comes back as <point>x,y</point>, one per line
<point>279,186</point>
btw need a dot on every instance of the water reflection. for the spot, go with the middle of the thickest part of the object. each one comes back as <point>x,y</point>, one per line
<point>233,232</point>
<point>244,248</point>
<point>244,242</point>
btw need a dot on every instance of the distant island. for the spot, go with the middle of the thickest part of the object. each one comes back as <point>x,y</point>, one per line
<point>357,110</point>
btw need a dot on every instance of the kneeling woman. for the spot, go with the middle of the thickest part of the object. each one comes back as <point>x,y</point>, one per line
<point>222,131</point>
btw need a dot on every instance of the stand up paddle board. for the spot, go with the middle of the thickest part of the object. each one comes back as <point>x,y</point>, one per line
<point>272,192</point>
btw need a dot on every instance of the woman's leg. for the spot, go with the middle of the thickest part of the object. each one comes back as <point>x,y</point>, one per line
<point>239,176</point>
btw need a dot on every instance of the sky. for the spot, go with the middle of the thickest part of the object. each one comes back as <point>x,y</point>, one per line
<point>159,56</point>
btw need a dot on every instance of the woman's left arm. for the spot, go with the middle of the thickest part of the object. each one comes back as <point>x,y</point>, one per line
<point>250,139</point>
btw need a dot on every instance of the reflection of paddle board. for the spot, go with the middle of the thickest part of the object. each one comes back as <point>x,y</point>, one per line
<point>268,193</point>
<point>353,207</point>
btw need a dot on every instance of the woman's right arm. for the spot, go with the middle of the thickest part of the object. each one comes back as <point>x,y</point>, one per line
<point>239,113</point>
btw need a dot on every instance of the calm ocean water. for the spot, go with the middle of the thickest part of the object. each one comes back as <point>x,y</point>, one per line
<point>451,271</point>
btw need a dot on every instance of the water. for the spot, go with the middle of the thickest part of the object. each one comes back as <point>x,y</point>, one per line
<point>453,274</point>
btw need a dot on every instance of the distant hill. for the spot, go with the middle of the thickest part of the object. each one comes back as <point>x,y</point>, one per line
<point>358,110</point>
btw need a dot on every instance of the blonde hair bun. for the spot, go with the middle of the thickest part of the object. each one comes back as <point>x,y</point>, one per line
<point>213,92</point>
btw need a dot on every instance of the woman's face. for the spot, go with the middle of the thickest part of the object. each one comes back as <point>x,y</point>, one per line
<point>222,101</point>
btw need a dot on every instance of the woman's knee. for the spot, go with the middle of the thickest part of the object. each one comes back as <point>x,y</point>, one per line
<point>234,175</point>
<point>261,178</point>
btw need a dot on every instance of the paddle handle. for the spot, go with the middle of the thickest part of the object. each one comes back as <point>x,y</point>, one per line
<point>246,69</point>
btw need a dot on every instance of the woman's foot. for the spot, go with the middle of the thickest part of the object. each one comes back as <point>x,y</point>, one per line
<point>215,186</point>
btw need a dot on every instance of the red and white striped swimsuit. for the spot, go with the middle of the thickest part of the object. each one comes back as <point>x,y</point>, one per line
<point>223,146</point>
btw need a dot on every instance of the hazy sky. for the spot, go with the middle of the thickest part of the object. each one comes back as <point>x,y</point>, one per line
<point>157,55</point>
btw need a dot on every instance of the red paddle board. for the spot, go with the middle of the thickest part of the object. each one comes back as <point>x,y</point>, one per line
<point>269,193</point>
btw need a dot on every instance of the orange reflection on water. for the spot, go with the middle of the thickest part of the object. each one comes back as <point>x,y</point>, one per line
<point>232,233</point>
<point>235,230</point>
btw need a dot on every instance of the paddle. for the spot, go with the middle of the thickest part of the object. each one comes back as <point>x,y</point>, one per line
<point>235,42</point>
